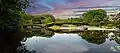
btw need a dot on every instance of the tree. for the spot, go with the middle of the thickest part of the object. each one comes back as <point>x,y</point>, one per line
<point>94,16</point>
<point>10,11</point>
<point>25,20</point>
<point>116,20</point>
<point>118,15</point>
<point>44,19</point>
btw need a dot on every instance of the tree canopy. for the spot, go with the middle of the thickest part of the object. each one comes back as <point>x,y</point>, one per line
<point>10,14</point>
<point>44,18</point>
<point>94,16</point>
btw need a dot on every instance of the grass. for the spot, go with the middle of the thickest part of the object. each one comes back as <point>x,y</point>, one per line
<point>72,29</point>
<point>72,25</point>
<point>55,27</point>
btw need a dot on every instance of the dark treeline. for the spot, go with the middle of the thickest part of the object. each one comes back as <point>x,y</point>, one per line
<point>10,15</point>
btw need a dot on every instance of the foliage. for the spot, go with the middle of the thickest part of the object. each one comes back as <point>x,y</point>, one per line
<point>43,19</point>
<point>116,21</point>
<point>93,17</point>
<point>25,19</point>
<point>10,14</point>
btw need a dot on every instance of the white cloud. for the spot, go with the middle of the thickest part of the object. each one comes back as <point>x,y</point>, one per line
<point>113,3</point>
<point>63,48</point>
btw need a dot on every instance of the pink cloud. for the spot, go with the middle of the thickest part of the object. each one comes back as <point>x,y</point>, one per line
<point>59,9</point>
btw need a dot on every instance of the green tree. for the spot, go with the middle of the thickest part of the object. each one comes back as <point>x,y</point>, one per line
<point>93,17</point>
<point>10,11</point>
<point>118,20</point>
<point>26,19</point>
<point>44,19</point>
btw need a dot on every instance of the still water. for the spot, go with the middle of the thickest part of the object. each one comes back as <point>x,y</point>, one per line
<point>84,42</point>
<point>44,41</point>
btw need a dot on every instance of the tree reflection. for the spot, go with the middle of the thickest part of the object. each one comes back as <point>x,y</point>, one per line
<point>99,37</point>
<point>43,32</point>
<point>13,44</point>
<point>116,37</point>
<point>23,49</point>
<point>96,37</point>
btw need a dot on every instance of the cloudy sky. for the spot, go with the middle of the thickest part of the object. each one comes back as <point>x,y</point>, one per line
<point>58,6</point>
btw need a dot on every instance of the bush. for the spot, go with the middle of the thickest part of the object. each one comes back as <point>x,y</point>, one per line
<point>44,19</point>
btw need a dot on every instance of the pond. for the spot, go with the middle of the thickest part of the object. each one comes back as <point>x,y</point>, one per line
<point>69,43</point>
<point>45,41</point>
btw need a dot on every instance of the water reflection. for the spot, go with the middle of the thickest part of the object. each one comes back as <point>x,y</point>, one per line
<point>116,37</point>
<point>12,44</point>
<point>46,41</point>
<point>43,32</point>
<point>65,43</point>
<point>97,37</point>
<point>80,42</point>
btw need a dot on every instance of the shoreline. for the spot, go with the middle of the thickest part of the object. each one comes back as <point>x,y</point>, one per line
<point>84,28</point>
